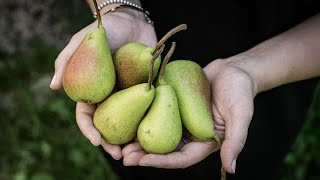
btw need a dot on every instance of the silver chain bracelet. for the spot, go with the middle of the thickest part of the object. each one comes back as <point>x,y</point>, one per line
<point>127,4</point>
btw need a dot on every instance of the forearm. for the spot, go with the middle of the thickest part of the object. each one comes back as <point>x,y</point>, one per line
<point>291,56</point>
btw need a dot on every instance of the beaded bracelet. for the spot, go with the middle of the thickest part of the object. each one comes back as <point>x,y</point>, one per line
<point>124,4</point>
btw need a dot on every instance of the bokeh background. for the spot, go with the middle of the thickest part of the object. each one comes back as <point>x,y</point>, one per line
<point>39,137</point>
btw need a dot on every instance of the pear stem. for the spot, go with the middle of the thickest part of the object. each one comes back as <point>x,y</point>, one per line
<point>168,35</point>
<point>154,57</point>
<point>223,174</point>
<point>98,13</point>
<point>165,61</point>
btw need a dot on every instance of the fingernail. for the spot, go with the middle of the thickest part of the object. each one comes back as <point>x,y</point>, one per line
<point>91,142</point>
<point>52,81</point>
<point>94,143</point>
<point>233,165</point>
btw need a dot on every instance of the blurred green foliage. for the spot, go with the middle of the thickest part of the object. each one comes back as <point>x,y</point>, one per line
<point>40,139</point>
<point>303,161</point>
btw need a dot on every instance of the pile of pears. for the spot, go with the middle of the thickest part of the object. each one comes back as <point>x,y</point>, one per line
<point>135,97</point>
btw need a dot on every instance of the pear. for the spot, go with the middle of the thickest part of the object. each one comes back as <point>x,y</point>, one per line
<point>89,75</point>
<point>160,131</point>
<point>192,87</point>
<point>132,60</point>
<point>117,117</point>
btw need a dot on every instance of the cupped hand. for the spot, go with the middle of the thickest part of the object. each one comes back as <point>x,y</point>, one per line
<point>190,151</point>
<point>233,91</point>
<point>121,27</point>
<point>232,103</point>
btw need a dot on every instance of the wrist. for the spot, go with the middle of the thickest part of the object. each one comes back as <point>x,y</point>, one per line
<point>262,66</point>
<point>231,70</point>
<point>131,7</point>
<point>93,9</point>
<point>134,14</point>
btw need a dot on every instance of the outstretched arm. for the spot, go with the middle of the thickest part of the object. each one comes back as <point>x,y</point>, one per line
<point>291,56</point>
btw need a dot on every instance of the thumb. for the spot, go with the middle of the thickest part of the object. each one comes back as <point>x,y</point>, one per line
<point>235,137</point>
<point>61,61</point>
<point>64,56</point>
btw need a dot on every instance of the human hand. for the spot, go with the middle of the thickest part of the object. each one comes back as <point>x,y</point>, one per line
<point>233,91</point>
<point>232,103</point>
<point>121,27</point>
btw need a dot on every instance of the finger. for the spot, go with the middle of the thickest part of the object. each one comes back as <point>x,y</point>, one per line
<point>219,124</point>
<point>235,138</point>
<point>84,115</point>
<point>190,154</point>
<point>64,56</point>
<point>133,158</point>
<point>131,148</point>
<point>113,150</point>
<point>169,161</point>
<point>61,62</point>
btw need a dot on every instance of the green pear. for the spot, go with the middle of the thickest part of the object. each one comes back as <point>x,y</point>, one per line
<point>160,131</point>
<point>132,64</point>
<point>192,87</point>
<point>89,75</point>
<point>117,117</point>
<point>132,61</point>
